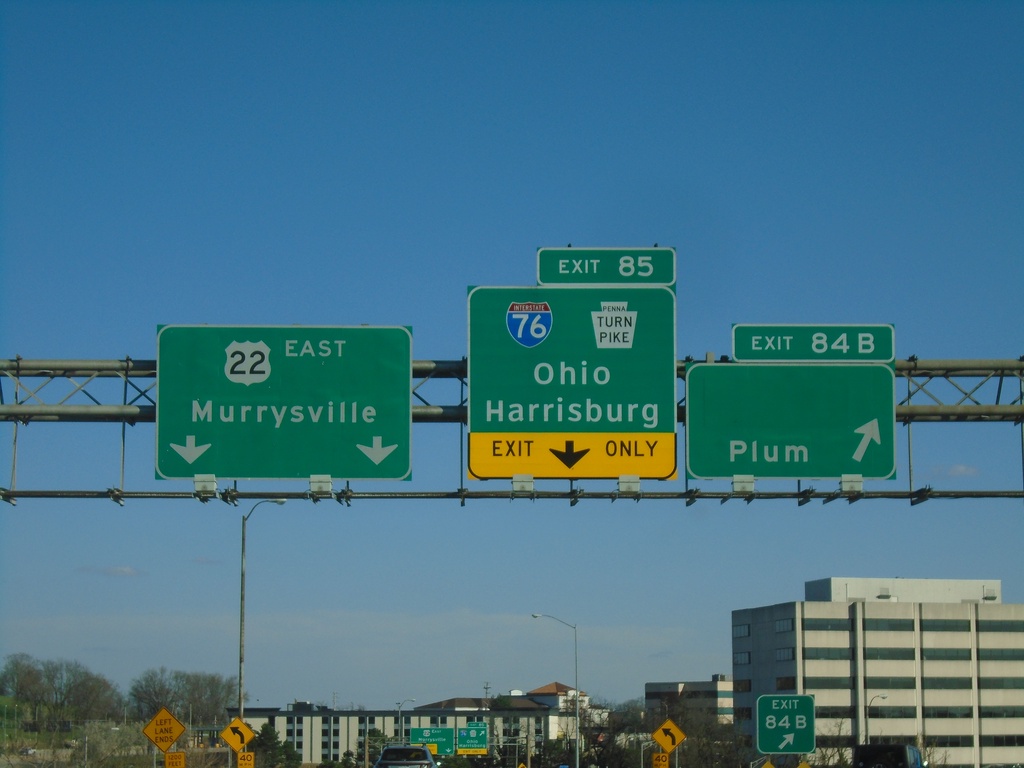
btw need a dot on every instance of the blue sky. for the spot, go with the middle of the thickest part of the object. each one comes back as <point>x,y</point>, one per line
<point>318,163</point>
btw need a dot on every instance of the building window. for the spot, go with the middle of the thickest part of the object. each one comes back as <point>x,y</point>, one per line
<point>784,625</point>
<point>785,683</point>
<point>952,741</point>
<point>1007,740</point>
<point>889,654</point>
<point>741,657</point>
<point>826,625</point>
<point>1000,625</point>
<point>883,683</point>
<point>834,713</point>
<point>1001,683</point>
<point>832,742</point>
<point>942,713</point>
<point>827,654</point>
<point>995,712</point>
<point>888,625</point>
<point>1001,654</point>
<point>897,713</point>
<point>842,683</point>
<point>741,630</point>
<point>744,713</point>
<point>946,654</point>
<point>741,686</point>
<point>785,654</point>
<point>945,625</point>
<point>946,683</point>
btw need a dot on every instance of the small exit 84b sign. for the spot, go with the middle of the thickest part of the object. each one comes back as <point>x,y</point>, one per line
<point>785,724</point>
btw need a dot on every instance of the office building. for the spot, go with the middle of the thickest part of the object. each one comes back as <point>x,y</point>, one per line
<point>713,696</point>
<point>929,661</point>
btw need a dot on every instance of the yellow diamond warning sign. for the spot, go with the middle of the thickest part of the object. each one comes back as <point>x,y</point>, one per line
<point>237,734</point>
<point>163,730</point>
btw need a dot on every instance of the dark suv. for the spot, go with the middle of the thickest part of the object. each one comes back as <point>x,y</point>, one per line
<point>887,756</point>
<point>399,756</point>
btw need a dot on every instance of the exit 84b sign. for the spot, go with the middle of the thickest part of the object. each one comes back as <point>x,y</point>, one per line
<point>785,724</point>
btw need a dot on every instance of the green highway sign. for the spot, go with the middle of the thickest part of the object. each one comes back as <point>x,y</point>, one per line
<point>572,382</point>
<point>283,402</point>
<point>790,421</point>
<point>650,266</point>
<point>813,343</point>
<point>473,739</point>
<point>785,724</point>
<point>440,741</point>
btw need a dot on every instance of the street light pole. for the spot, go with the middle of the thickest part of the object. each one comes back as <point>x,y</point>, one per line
<point>576,663</point>
<point>867,714</point>
<point>241,613</point>
<point>401,725</point>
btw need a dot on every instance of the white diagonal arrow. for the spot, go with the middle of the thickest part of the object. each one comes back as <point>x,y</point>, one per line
<point>869,432</point>
<point>787,740</point>
<point>190,451</point>
<point>378,451</point>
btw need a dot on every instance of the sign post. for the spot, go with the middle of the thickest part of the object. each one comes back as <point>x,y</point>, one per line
<point>785,724</point>
<point>572,382</point>
<point>284,402</point>
<point>790,421</point>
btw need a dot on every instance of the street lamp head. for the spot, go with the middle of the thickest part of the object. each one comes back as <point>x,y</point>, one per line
<point>537,615</point>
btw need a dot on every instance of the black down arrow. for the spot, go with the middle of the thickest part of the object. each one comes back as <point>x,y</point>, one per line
<point>570,455</point>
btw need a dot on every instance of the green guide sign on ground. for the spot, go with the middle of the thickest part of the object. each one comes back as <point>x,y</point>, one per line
<point>282,402</point>
<point>472,740</point>
<point>785,724</point>
<point>440,741</point>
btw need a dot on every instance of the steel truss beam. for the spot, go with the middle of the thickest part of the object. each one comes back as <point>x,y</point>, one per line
<point>953,390</point>
<point>124,391</point>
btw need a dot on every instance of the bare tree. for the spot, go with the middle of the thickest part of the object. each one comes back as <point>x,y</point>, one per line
<point>834,745</point>
<point>198,696</point>
<point>153,689</point>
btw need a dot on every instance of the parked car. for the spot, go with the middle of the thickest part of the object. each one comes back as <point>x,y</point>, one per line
<point>404,756</point>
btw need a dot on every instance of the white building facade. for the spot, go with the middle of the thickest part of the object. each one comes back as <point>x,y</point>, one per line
<point>929,661</point>
<point>518,724</point>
